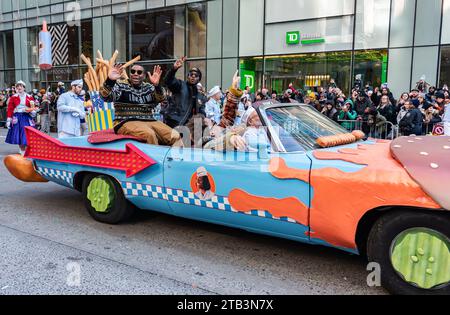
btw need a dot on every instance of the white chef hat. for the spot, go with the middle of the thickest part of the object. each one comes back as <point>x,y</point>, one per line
<point>214,91</point>
<point>77,83</point>
<point>202,172</point>
<point>247,114</point>
<point>20,82</point>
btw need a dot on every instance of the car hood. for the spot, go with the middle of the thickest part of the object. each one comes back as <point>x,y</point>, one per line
<point>370,171</point>
<point>427,161</point>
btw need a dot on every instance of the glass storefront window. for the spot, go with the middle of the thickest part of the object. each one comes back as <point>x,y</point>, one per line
<point>34,76</point>
<point>165,66</point>
<point>121,38</point>
<point>445,66</point>
<point>196,44</point>
<point>7,78</point>
<point>308,71</point>
<point>67,42</point>
<point>372,66</point>
<point>51,78</point>
<point>2,53</point>
<point>251,72</point>
<point>372,24</point>
<point>61,74</point>
<point>74,45</point>
<point>155,35</point>
<point>73,41</point>
<point>8,50</point>
<point>33,45</point>
<point>86,39</point>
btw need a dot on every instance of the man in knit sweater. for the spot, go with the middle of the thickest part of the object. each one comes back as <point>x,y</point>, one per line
<point>135,102</point>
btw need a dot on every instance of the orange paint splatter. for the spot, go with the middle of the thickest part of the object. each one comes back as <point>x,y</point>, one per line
<point>289,207</point>
<point>341,199</point>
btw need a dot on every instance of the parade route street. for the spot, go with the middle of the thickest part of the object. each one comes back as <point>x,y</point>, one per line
<point>47,237</point>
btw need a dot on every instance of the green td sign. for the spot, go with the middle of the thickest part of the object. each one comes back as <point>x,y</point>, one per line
<point>293,38</point>
<point>248,79</point>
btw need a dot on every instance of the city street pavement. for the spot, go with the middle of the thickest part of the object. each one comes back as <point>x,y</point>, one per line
<point>46,237</point>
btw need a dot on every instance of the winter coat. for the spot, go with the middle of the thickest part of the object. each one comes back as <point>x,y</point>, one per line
<point>346,117</point>
<point>70,111</point>
<point>412,123</point>
<point>15,106</point>
<point>332,114</point>
<point>187,102</point>
<point>388,112</point>
<point>360,107</point>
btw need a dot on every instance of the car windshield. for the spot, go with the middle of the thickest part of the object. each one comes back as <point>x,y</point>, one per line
<point>300,126</point>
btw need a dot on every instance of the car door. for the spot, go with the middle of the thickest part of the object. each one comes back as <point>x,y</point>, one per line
<point>145,189</point>
<point>238,189</point>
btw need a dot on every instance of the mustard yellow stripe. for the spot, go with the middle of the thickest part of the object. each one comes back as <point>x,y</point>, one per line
<point>88,120</point>
<point>102,116</point>
<point>92,125</point>
<point>97,122</point>
<point>110,120</point>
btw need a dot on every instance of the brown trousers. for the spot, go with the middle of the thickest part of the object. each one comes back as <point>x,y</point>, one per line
<point>154,132</point>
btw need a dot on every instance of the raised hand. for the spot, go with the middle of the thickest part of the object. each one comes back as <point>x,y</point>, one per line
<point>155,78</point>
<point>179,63</point>
<point>238,142</point>
<point>115,73</point>
<point>236,80</point>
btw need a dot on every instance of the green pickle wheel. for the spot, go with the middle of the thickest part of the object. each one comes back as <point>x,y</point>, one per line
<point>422,258</point>
<point>104,199</point>
<point>101,194</point>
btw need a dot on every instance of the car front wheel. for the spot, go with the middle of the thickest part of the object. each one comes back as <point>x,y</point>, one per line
<point>104,199</point>
<point>413,251</point>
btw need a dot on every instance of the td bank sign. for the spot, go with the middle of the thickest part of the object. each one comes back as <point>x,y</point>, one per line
<point>296,38</point>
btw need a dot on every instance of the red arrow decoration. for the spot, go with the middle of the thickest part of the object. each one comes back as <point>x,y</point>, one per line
<point>44,147</point>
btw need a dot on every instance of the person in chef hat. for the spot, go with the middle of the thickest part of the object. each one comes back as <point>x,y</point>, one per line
<point>71,111</point>
<point>203,185</point>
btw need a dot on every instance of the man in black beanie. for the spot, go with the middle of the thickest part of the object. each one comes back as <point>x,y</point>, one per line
<point>187,102</point>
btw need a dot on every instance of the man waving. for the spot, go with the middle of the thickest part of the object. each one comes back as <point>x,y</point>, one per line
<point>135,101</point>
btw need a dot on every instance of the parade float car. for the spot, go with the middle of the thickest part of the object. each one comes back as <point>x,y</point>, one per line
<point>317,184</point>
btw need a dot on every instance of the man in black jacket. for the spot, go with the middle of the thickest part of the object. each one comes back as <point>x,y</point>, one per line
<point>412,123</point>
<point>362,104</point>
<point>187,101</point>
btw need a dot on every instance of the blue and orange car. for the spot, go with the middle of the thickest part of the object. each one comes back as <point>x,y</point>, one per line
<point>317,184</point>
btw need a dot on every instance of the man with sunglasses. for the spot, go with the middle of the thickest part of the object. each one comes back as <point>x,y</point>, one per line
<point>187,102</point>
<point>135,102</point>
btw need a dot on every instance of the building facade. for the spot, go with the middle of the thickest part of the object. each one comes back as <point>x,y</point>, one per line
<point>272,42</point>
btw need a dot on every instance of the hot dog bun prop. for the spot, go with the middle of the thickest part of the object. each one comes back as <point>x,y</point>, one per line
<point>342,139</point>
<point>22,169</point>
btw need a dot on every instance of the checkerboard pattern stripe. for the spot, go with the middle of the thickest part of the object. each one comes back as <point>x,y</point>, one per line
<point>56,174</point>
<point>189,198</point>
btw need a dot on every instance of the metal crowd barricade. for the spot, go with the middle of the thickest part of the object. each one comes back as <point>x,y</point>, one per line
<point>382,131</point>
<point>3,116</point>
<point>436,129</point>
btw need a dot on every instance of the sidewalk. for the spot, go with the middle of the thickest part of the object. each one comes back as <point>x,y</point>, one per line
<point>4,132</point>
